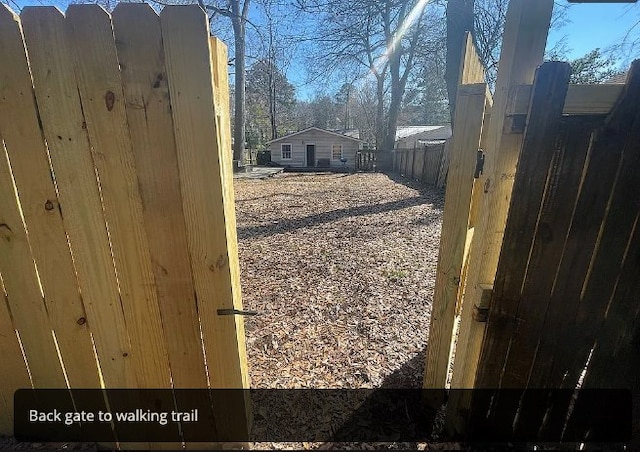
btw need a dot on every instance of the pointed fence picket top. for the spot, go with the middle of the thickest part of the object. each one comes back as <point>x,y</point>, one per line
<point>121,227</point>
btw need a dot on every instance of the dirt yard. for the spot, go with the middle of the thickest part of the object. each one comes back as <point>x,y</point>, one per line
<point>341,269</point>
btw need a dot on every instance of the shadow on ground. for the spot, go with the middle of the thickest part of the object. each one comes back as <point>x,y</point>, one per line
<point>288,225</point>
<point>424,190</point>
<point>427,195</point>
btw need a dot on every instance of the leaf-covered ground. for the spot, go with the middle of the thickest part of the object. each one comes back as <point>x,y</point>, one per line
<point>341,268</point>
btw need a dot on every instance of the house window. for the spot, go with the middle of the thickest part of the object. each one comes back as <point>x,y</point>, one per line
<point>286,151</point>
<point>336,151</point>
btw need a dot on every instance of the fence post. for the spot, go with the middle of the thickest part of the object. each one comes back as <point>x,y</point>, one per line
<point>469,114</point>
<point>522,52</point>
<point>204,159</point>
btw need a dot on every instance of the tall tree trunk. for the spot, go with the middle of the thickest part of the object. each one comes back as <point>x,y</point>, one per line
<point>392,119</point>
<point>272,92</point>
<point>240,89</point>
<point>398,80</point>
<point>380,123</point>
<point>273,106</point>
<point>397,91</point>
<point>459,20</point>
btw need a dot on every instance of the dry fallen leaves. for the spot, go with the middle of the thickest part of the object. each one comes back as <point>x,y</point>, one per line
<point>341,269</point>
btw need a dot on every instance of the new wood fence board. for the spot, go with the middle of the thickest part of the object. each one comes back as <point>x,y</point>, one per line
<point>472,68</point>
<point>65,131</point>
<point>219,62</point>
<point>103,103</point>
<point>219,66</point>
<point>469,115</point>
<point>470,332</point>
<point>6,417</point>
<point>23,289</point>
<point>458,160</point>
<point>13,372</point>
<point>524,42</point>
<point>20,280</point>
<point>538,149</point>
<point>48,240</point>
<point>201,163</point>
<point>139,44</point>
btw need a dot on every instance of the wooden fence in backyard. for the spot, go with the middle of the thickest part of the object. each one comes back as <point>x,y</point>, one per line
<point>427,163</point>
<point>538,257</point>
<point>117,225</point>
<point>366,160</point>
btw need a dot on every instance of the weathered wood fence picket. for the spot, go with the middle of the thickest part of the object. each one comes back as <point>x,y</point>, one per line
<point>117,224</point>
<point>366,160</point>
<point>424,163</point>
<point>539,254</point>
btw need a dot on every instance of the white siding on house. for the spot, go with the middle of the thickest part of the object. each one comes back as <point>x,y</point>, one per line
<point>408,137</point>
<point>323,142</point>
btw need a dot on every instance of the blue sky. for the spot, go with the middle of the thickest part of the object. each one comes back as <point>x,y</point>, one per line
<point>588,26</point>
<point>595,25</point>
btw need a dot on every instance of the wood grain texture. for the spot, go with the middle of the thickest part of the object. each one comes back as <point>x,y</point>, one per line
<point>531,182</point>
<point>581,99</point>
<point>553,226</point>
<point>22,287</point>
<point>206,189</point>
<point>469,331</point>
<point>465,142</point>
<point>27,152</point>
<point>50,55</point>
<point>13,372</point>
<point>616,233</point>
<point>444,165</point>
<point>524,40</point>
<point>219,62</point>
<point>103,103</point>
<point>557,348</point>
<point>139,44</point>
<point>471,69</point>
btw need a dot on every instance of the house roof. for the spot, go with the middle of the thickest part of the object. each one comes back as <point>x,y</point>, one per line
<point>618,79</point>
<point>435,132</point>
<point>353,133</point>
<point>286,137</point>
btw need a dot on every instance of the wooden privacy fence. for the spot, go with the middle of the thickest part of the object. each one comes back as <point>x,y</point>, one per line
<point>427,163</point>
<point>117,224</point>
<point>567,288</point>
<point>539,253</point>
<point>366,160</point>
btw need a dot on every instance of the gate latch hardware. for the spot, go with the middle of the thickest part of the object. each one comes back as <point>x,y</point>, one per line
<point>235,312</point>
<point>479,164</point>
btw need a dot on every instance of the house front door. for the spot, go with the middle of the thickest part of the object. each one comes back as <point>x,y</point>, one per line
<point>311,155</point>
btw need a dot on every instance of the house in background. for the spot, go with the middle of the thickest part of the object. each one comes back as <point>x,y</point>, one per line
<point>408,137</point>
<point>315,147</point>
